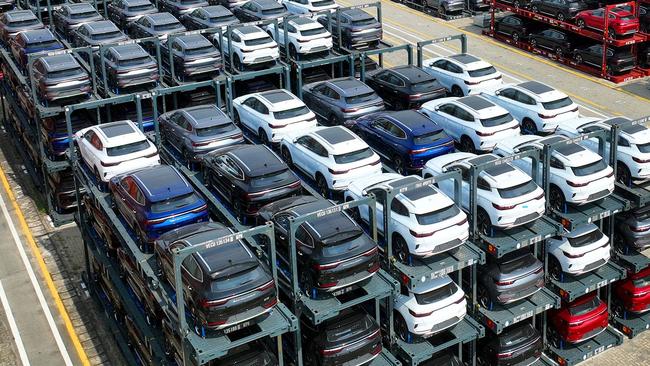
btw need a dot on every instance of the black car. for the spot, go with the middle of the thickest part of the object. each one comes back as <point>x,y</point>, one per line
<point>351,338</point>
<point>71,16</point>
<point>516,3</point>
<point>618,62</point>
<point>553,40</point>
<point>123,12</point>
<point>255,10</point>
<point>138,287</point>
<point>643,54</point>
<point>208,17</point>
<point>644,18</point>
<point>249,176</point>
<point>405,87</point>
<point>562,10</point>
<point>180,7</point>
<point>155,25</point>
<point>358,28</point>
<point>519,344</point>
<point>633,230</point>
<point>334,253</point>
<point>15,21</point>
<point>513,26</point>
<point>96,34</point>
<point>127,66</point>
<point>224,285</point>
<point>193,58</point>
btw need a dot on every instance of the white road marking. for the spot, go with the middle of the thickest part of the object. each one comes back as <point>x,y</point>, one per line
<point>14,328</point>
<point>36,285</point>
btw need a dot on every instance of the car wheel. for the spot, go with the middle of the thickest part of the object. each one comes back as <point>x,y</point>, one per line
<point>186,155</point>
<point>237,63</point>
<point>483,223</point>
<point>400,167</point>
<point>620,245</point>
<point>483,297</point>
<point>321,184</point>
<point>561,17</point>
<point>237,209</point>
<point>579,59</point>
<point>293,53</point>
<point>142,239</point>
<point>533,43</point>
<point>580,23</point>
<point>553,337</point>
<point>264,139</point>
<point>401,329</point>
<point>534,9</point>
<point>608,70</point>
<point>235,117</point>
<point>623,174</point>
<point>528,127</point>
<point>481,361</point>
<point>559,52</point>
<point>515,36</point>
<point>401,249</point>
<point>307,284</point>
<point>441,10</point>
<point>516,4</point>
<point>96,172</point>
<point>456,91</point>
<point>554,269</point>
<point>612,33</point>
<point>466,144</point>
<point>618,310</point>
<point>556,198</point>
<point>286,156</point>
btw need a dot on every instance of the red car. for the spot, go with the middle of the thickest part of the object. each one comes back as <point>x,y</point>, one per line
<point>622,23</point>
<point>577,321</point>
<point>632,294</point>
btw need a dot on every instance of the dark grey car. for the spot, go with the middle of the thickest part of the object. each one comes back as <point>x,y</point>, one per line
<point>60,77</point>
<point>180,7</point>
<point>358,28</point>
<point>513,277</point>
<point>446,6</point>
<point>209,17</point>
<point>71,16</point>
<point>128,66</point>
<point>255,10</point>
<point>123,12</point>
<point>633,230</point>
<point>560,9</point>
<point>15,21</point>
<point>96,34</point>
<point>155,25</point>
<point>198,130</point>
<point>338,100</point>
<point>194,57</point>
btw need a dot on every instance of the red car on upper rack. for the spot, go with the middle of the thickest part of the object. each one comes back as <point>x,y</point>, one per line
<point>633,294</point>
<point>577,321</point>
<point>621,22</point>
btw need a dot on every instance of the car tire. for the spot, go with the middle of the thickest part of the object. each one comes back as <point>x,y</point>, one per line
<point>579,59</point>
<point>235,117</point>
<point>554,269</point>
<point>442,10</point>
<point>623,174</point>
<point>611,33</point>
<point>293,53</point>
<point>528,127</point>
<point>306,284</point>
<point>237,63</point>
<point>561,17</point>
<point>456,91</point>
<point>516,4</point>
<point>142,238</point>
<point>556,198</point>
<point>483,296</point>
<point>619,244</point>
<point>534,9</point>
<point>515,36</point>
<point>466,144</point>
<point>400,167</point>
<point>401,249</point>
<point>483,223</point>
<point>286,156</point>
<point>618,310</point>
<point>553,337</point>
<point>321,185</point>
<point>264,139</point>
<point>401,329</point>
<point>236,208</point>
<point>533,43</point>
<point>559,52</point>
<point>580,23</point>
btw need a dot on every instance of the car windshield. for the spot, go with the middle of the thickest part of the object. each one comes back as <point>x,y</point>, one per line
<point>23,23</point>
<point>222,19</point>
<point>644,148</point>
<point>429,138</point>
<point>518,190</point>
<point>273,11</point>
<point>65,73</point>
<point>361,22</point>
<point>141,7</point>
<point>199,50</point>
<point>437,216</point>
<point>322,3</point>
<point>625,17</point>
<point>312,32</point>
<point>107,35</point>
<point>190,1</point>
<point>557,104</point>
<point>135,61</point>
<point>85,14</point>
<point>174,203</point>
<point>586,239</point>
<point>585,307</point>
<point>496,121</point>
<point>424,85</point>
<point>482,72</point>
<point>271,178</point>
<point>436,295</point>
<point>517,335</point>
<point>237,275</point>
<point>509,265</point>
<point>361,98</point>
<point>290,113</point>
<point>353,156</point>
<point>44,44</point>
<point>346,330</point>
<point>215,130</point>
<point>642,282</point>
<point>257,41</point>
<point>588,169</point>
<point>128,148</point>
<point>164,27</point>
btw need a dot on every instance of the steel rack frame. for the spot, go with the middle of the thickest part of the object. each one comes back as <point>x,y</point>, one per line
<point>379,52</point>
<point>229,65</point>
<point>422,44</point>
<point>422,6</point>
<point>331,60</point>
<point>38,9</point>
<point>632,260</point>
<point>337,36</point>
<point>280,69</point>
<point>572,287</point>
<point>171,73</point>
<point>574,354</point>
<point>631,324</point>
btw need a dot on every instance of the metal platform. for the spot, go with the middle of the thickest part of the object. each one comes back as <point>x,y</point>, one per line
<point>385,358</point>
<point>573,287</point>
<point>574,216</point>
<point>545,361</point>
<point>638,193</point>
<point>632,260</point>
<point>575,354</point>
<point>501,316</point>
<point>632,325</point>
<point>415,353</point>
<point>505,241</point>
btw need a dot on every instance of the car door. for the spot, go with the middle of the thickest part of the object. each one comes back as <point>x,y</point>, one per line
<point>451,123</point>
<point>85,148</point>
<point>127,191</point>
<point>596,19</point>
<point>321,103</point>
<point>441,73</point>
<point>594,55</point>
<point>377,131</point>
<point>249,114</point>
<point>364,210</point>
<point>178,127</point>
<point>225,174</point>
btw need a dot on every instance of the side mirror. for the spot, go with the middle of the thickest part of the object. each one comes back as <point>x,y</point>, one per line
<point>497,92</point>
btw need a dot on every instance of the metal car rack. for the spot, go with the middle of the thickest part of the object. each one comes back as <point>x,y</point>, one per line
<point>335,62</point>
<point>228,64</point>
<point>572,287</point>
<point>424,7</point>
<point>631,324</point>
<point>574,354</point>
<point>379,52</point>
<point>422,44</point>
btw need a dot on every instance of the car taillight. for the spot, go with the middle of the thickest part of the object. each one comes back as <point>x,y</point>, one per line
<point>196,144</point>
<point>419,315</point>
<point>349,110</point>
<point>546,116</point>
<point>206,304</point>
<point>575,324</point>
<point>504,355</point>
<point>499,207</point>
<point>276,126</point>
<point>639,229</point>
<point>418,151</point>
<point>321,267</point>
<point>472,82</point>
<point>421,235</point>
<point>641,160</point>
<point>338,171</point>
<point>483,134</point>
<point>266,286</point>
<point>328,284</point>
<point>540,196</point>
<point>415,96</point>
<point>154,221</point>
<point>271,303</point>
<point>569,255</point>
<point>574,184</point>
<point>370,252</point>
<point>503,283</point>
<point>110,164</point>
<point>331,351</point>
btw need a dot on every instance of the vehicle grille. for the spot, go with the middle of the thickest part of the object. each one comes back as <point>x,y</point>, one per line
<point>594,265</point>
<point>319,49</point>
<point>526,218</point>
<point>264,59</point>
<point>448,245</point>
<point>445,324</point>
<point>598,195</point>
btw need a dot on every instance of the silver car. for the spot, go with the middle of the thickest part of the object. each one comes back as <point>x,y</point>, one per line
<point>198,130</point>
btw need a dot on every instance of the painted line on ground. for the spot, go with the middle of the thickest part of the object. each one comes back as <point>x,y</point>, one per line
<point>14,328</point>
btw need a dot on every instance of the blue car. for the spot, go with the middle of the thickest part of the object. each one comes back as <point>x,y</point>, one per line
<point>55,132</point>
<point>155,200</point>
<point>406,138</point>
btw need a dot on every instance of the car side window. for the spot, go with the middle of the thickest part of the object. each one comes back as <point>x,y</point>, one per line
<point>261,108</point>
<point>380,195</point>
<point>192,268</point>
<point>394,80</point>
<point>555,163</point>
<point>320,89</point>
<point>331,93</point>
<point>177,47</point>
<point>234,37</point>
<point>524,98</point>
<point>448,109</point>
<point>398,207</point>
<point>464,115</point>
<point>482,184</point>
<point>441,64</point>
<point>292,29</point>
<point>464,171</point>
<point>233,168</point>
<point>623,142</point>
<point>394,130</point>
<point>250,102</point>
<point>96,142</point>
<point>508,93</point>
<point>247,6</point>
<point>454,68</point>
<point>139,197</point>
<point>303,236</point>
<point>282,221</point>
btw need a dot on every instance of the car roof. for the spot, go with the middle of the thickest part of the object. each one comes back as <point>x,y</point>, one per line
<point>59,62</point>
<point>304,21</point>
<point>563,149</point>
<point>256,160</point>
<point>475,102</point>
<point>219,260</point>
<point>325,226</point>
<point>416,122</point>
<point>334,135</point>
<point>161,18</point>
<point>349,86</point>
<point>276,96</point>
<point>355,14</point>
<point>79,7</point>
<point>136,2</point>
<point>159,181</point>
<point>580,230</point>
<point>37,35</point>
<point>117,129</point>
<point>129,51</point>
<point>412,195</point>
<point>267,4</point>
<point>413,73</point>
<point>18,15</point>
<point>206,115</point>
<point>250,31</point>
<point>192,41</point>
<point>102,26</point>
<point>535,87</point>
<point>464,58</point>
<point>216,10</point>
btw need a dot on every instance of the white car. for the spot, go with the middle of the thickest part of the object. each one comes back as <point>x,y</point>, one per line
<point>473,122</point>
<point>506,196</point>
<point>576,175</point>
<point>537,106</point>
<point>305,36</point>
<point>309,6</point>
<point>428,309</point>
<point>273,114</point>
<point>463,74</point>
<point>114,148</point>
<point>632,152</point>
<point>582,250</point>
<point>424,221</point>
<point>251,45</point>
<point>332,156</point>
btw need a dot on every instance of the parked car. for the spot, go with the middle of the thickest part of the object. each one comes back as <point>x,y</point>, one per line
<point>358,28</point>
<point>632,230</point>
<point>553,40</point>
<point>226,287</point>
<point>513,277</point>
<point>579,251</point>
<point>273,114</point>
<point>179,7</point>
<point>195,131</point>
<point>632,295</point>
<point>518,4</point>
<point>335,256</point>
<point>71,16</point>
<point>405,87</point>
<point>562,10</point>
<point>506,196</point>
<point>194,58</point>
<point>537,106</point>
<point>446,6</point>
<point>519,344</point>
<point>124,12</point>
<point>424,221</point>
<point>215,16</point>
<point>251,46</point>
<point>158,25</point>
<point>229,4</point>
<point>32,41</point>
<point>254,10</point>
<point>127,66</point>
<point>474,122</point>
<point>621,23</point>
<point>332,156</point>
<point>643,56</point>
<point>62,186</point>
<point>644,18</point>
<point>577,321</point>
<point>248,177</point>
<point>338,100</point>
<point>430,308</point>
<point>114,148</point>
<point>54,132</point>
<point>137,284</point>
<point>60,77</point>
<point>576,175</point>
<point>7,5</point>
<point>304,36</point>
<point>307,7</point>
<point>96,34</point>
<point>512,26</point>
<point>463,74</point>
<point>16,21</point>
<point>407,139</point>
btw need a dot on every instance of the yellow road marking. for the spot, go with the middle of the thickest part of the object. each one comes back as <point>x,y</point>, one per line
<point>81,353</point>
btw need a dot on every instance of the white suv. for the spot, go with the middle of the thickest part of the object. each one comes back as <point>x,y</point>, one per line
<point>332,156</point>
<point>632,152</point>
<point>537,106</point>
<point>309,6</point>
<point>305,35</point>
<point>473,122</point>
<point>506,196</point>
<point>272,114</point>
<point>114,148</point>
<point>424,221</point>
<point>250,45</point>
<point>582,250</point>
<point>428,309</point>
<point>463,74</point>
<point>576,175</point>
